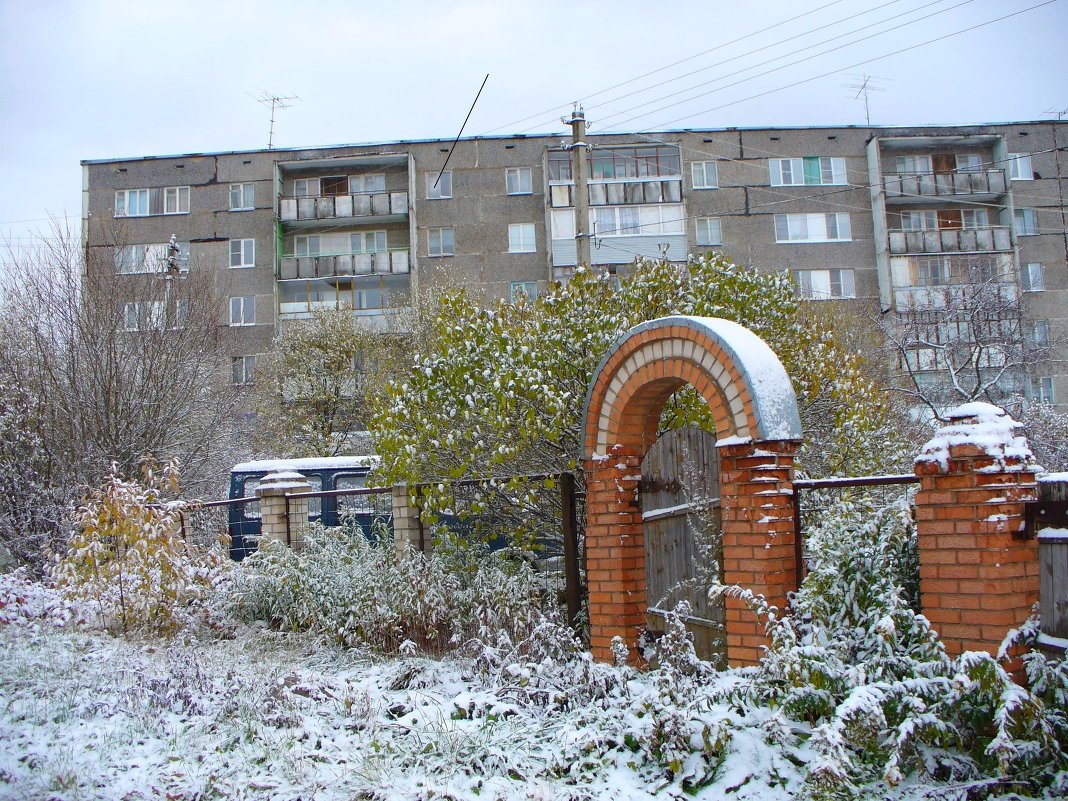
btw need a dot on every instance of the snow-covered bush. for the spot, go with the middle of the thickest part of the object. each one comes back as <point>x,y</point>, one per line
<point>884,700</point>
<point>127,561</point>
<point>359,592</point>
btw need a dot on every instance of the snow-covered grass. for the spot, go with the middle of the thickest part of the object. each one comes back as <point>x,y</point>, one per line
<point>266,715</point>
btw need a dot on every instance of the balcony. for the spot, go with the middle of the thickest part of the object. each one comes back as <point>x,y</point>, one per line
<point>369,296</point>
<point>909,187</point>
<point>381,206</point>
<point>620,193</point>
<point>951,240</point>
<point>393,262</point>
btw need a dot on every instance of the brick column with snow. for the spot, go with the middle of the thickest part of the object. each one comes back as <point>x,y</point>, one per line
<point>978,571</point>
<point>406,535</point>
<point>272,493</point>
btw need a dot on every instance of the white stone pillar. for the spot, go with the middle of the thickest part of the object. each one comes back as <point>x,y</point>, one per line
<point>272,492</point>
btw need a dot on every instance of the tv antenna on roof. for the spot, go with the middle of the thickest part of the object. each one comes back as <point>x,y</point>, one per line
<point>864,83</point>
<point>1059,114</point>
<point>276,102</point>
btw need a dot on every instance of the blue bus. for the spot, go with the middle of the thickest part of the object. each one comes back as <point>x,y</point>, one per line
<point>324,475</point>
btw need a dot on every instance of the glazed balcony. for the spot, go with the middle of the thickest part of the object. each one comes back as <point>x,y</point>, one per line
<point>936,187</point>
<point>381,207</point>
<point>392,262</point>
<point>951,240</point>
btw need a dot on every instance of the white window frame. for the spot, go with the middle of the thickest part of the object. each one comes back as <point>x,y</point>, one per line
<point>443,189</point>
<point>306,187</point>
<point>529,290</point>
<point>973,219</point>
<point>518,181</point>
<point>521,238</point>
<point>242,311</point>
<point>791,171</point>
<point>1038,333</point>
<point>804,228</point>
<point>1032,277</point>
<point>138,259</point>
<point>367,183</point>
<point>123,205</point>
<point>913,165</point>
<point>709,231</point>
<point>307,245</point>
<point>243,370</point>
<point>1020,168</point>
<point>927,219</point>
<point>151,313</point>
<point>176,200</point>
<point>242,253</point>
<point>705,174</point>
<point>826,284</point>
<point>1025,222</point>
<point>369,242</point>
<point>436,246</point>
<point>969,162</point>
<point>245,195</point>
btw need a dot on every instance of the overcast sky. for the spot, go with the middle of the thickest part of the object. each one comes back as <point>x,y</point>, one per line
<point>90,79</point>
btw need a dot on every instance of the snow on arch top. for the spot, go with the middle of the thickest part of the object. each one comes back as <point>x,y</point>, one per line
<point>773,400</point>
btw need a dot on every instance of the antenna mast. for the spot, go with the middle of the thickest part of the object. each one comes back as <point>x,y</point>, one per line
<point>864,84</point>
<point>276,102</point>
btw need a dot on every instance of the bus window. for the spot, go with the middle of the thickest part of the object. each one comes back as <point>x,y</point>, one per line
<point>358,504</point>
<point>252,509</point>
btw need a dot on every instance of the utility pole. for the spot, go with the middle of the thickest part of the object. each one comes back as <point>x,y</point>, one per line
<point>579,149</point>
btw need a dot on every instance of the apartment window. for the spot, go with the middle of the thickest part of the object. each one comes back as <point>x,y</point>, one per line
<point>969,162</point>
<point>333,185</point>
<point>807,171</point>
<point>709,231</point>
<point>150,258</point>
<point>825,284</point>
<point>145,202</point>
<point>526,289</point>
<point>931,271</point>
<point>705,175</point>
<point>913,165</point>
<point>242,197</point>
<point>1032,277</point>
<point>242,252</point>
<point>363,184</point>
<point>521,238</point>
<point>306,246</point>
<point>176,200</point>
<point>518,181</point>
<point>919,220</point>
<point>974,218</point>
<point>1020,167</point>
<point>131,203</point>
<point>1026,222</point>
<point>1041,389</point>
<point>1038,333</point>
<point>440,242</point>
<point>243,310</point>
<point>306,187</point>
<point>144,316</point>
<point>439,188</point>
<point>812,227</point>
<point>368,242</point>
<point>244,369</point>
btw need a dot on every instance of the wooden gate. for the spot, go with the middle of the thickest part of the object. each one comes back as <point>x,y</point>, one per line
<point>681,514</point>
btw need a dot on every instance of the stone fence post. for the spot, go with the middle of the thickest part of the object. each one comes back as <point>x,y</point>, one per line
<point>272,492</point>
<point>407,527</point>
<point>978,568</point>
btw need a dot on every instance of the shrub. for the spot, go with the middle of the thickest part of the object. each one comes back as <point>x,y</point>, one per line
<point>362,593</point>
<point>127,560</point>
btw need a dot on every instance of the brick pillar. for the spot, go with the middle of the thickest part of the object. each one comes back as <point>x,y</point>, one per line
<point>756,481</point>
<point>615,551</point>
<point>978,575</point>
<point>272,493</point>
<point>407,531</point>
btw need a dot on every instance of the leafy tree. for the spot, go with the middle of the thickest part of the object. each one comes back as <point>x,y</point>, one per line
<point>314,388</point>
<point>500,390</point>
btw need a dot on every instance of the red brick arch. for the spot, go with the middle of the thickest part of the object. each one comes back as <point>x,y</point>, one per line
<point>755,410</point>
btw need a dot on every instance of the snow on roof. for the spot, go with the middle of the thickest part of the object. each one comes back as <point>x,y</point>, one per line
<point>983,426</point>
<point>310,463</point>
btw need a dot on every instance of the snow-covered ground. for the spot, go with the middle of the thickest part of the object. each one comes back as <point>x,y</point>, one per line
<point>273,716</point>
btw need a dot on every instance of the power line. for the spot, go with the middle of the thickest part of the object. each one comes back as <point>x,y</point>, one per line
<point>556,108</point>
